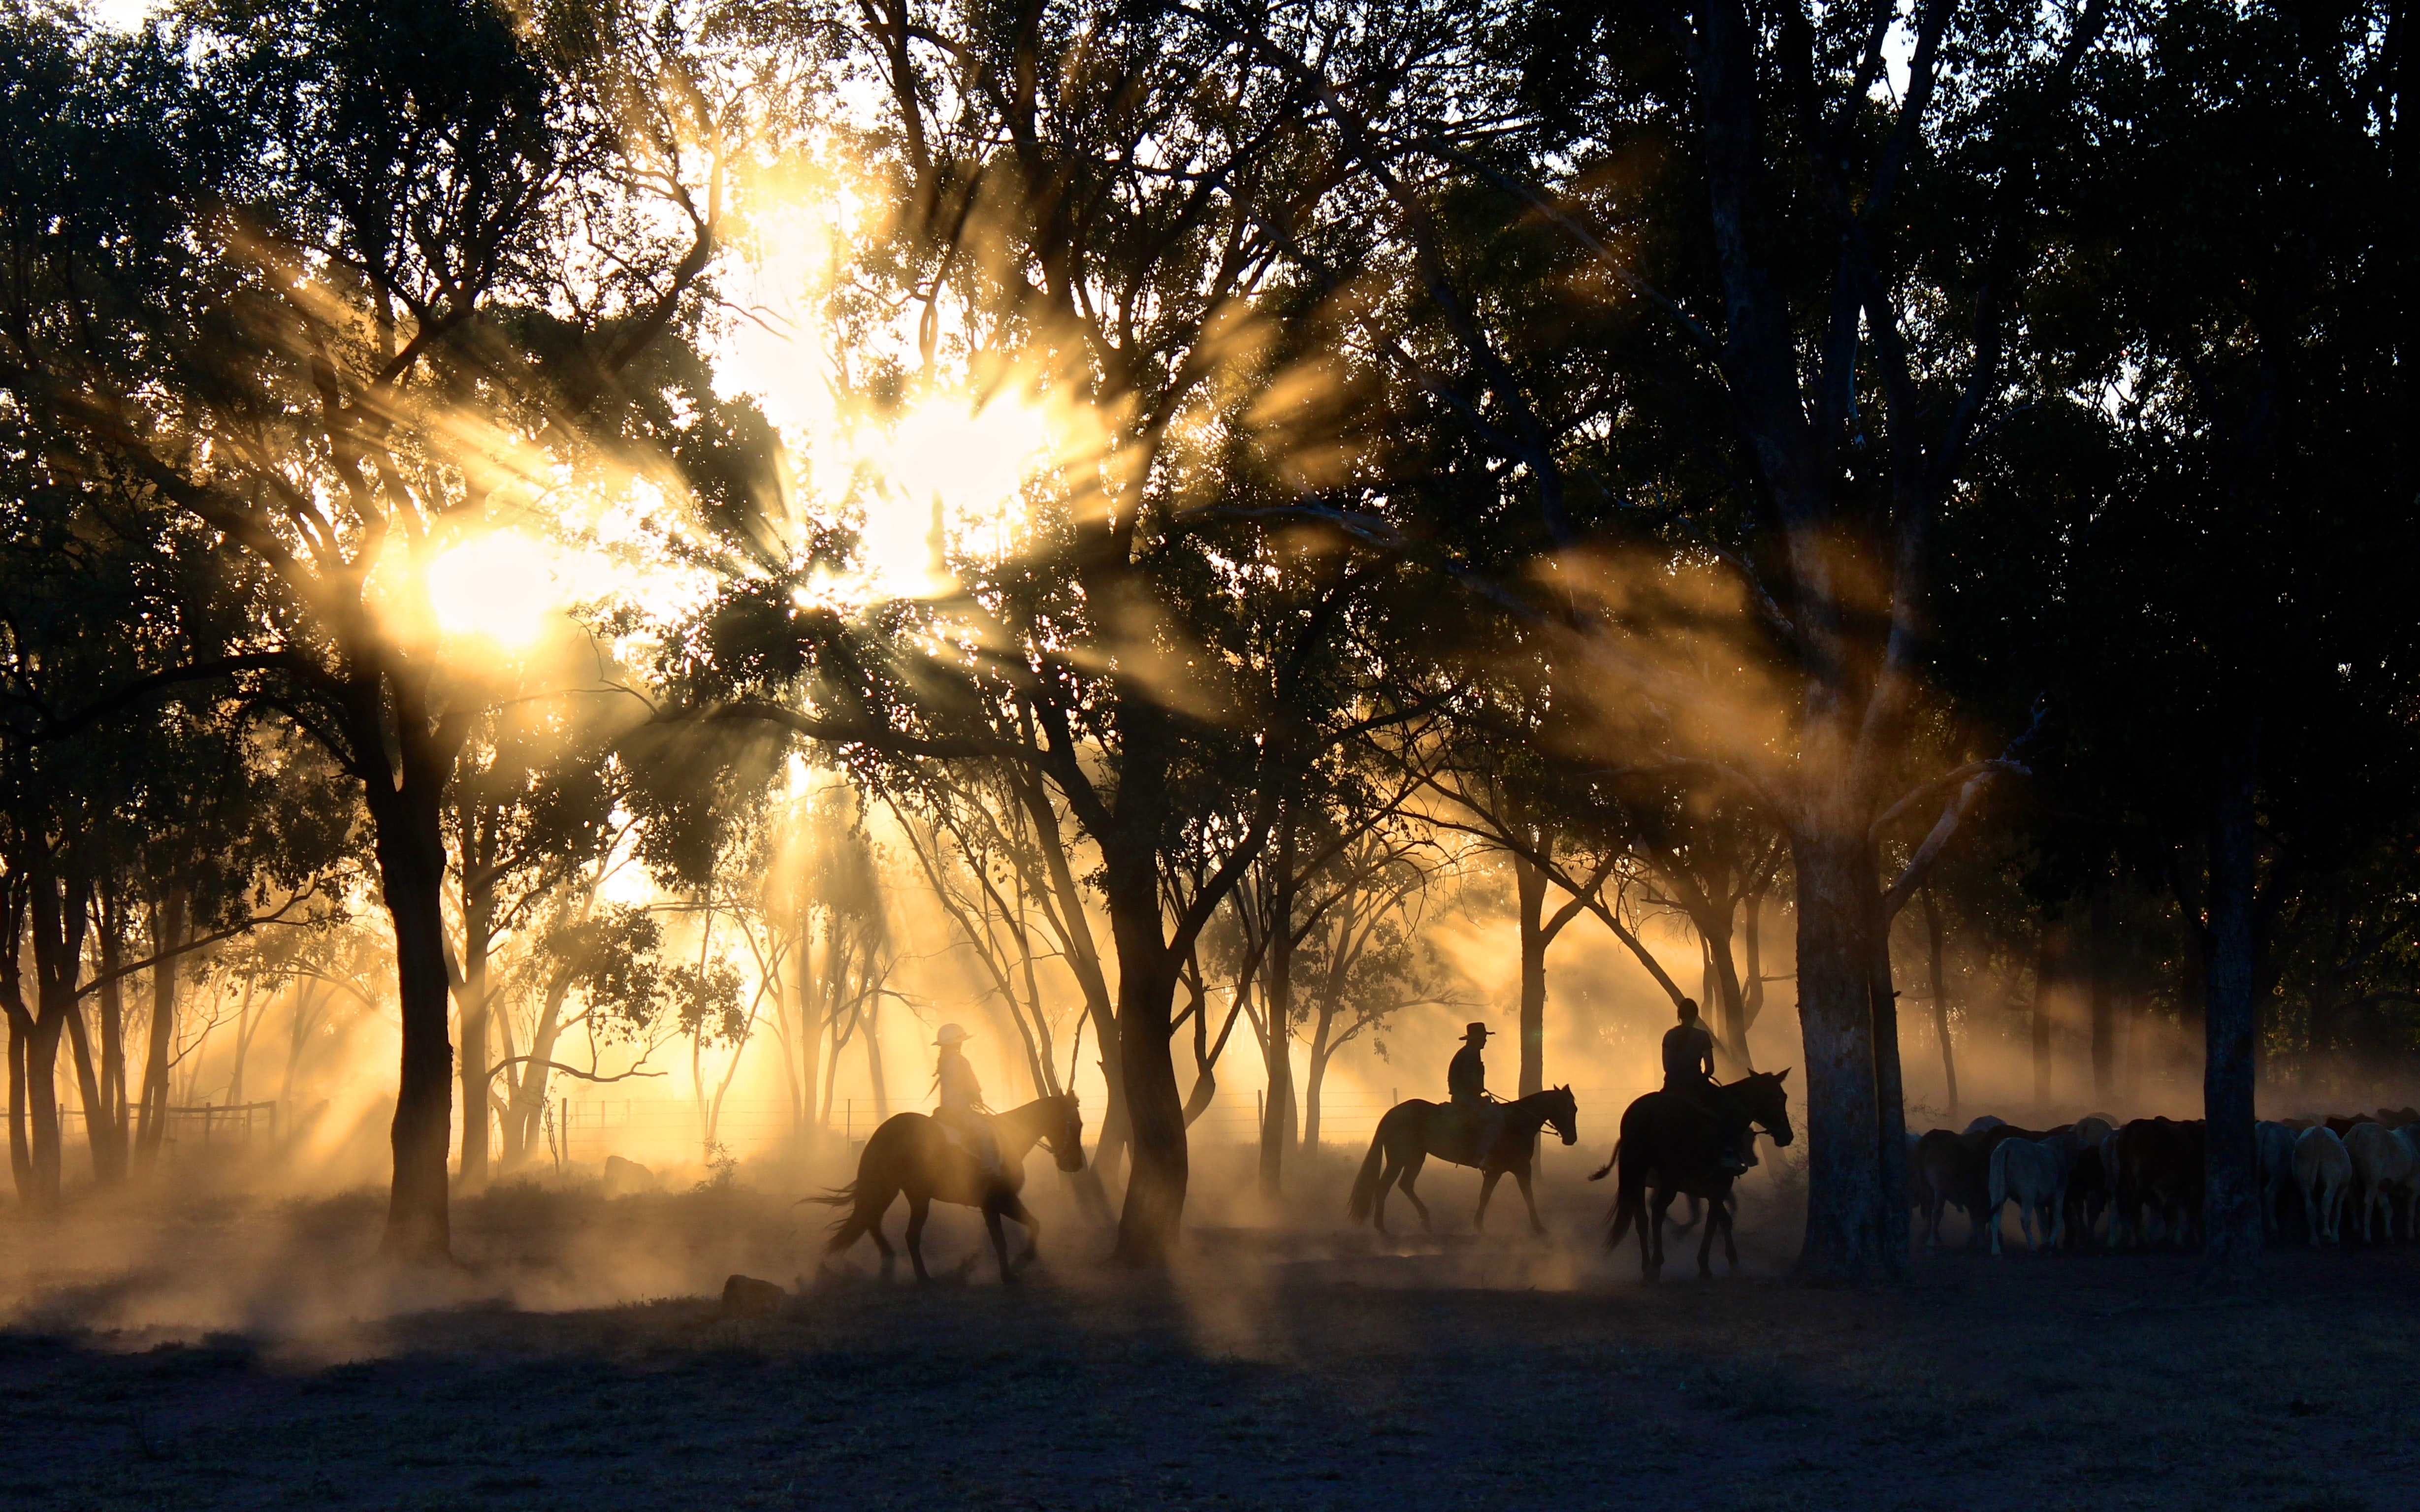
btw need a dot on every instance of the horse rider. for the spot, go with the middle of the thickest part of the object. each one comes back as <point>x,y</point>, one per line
<point>962,1113</point>
<point>1466,1084</point>
<point>1689,1075</point>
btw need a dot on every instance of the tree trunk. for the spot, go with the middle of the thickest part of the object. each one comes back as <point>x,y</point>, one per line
<point>1835,965</point>
<point>1153,1209</point>
<point>21,1153</point>
<point>478,928</point>
<point>1277,1049</point>
<point>1530,885</point>
<point>1723,986</point>
<point>2230,1211</point>
<point>1322,1051</point>
<point>411,874</point>
<point>169,926</point>
<point>1890,1100</point>
<point>1940,1000</point>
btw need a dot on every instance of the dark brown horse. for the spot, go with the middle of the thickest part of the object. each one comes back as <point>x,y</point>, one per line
<point>910,1153</point>
<point>1413,1130</point>
<point>1671,1146</point>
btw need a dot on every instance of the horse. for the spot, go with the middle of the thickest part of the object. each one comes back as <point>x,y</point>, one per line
<point>1952,1175</point>
<point>2381,1174</point>
<point>2034,1172</point>
<point>2324,1170</point>
<point>2155,1164</point>
<point>911,1153</point>
<point>1414,1129</point>
<point>1672,1145</point>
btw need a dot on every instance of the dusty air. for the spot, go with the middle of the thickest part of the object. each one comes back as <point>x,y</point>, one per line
<point>1178,754</point>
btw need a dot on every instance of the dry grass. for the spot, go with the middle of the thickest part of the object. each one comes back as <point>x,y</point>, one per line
<point>1279,1369</point>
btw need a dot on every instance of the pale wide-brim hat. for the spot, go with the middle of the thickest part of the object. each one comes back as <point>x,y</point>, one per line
<point>952,1034</point>
<point>1475,1032</point>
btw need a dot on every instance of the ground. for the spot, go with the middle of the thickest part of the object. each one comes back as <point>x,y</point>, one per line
<point>221,1354</point>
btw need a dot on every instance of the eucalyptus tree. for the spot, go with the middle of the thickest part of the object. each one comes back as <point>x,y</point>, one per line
<point>1071,213</point>
<point>370,270</point>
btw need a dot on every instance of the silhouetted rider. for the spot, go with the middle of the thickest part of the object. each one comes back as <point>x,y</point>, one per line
<point>1689,1075</point>
<point>1465,1083</point>
<point>962,1111</point>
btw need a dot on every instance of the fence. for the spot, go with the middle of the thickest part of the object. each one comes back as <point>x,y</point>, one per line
<point>211,1123</point>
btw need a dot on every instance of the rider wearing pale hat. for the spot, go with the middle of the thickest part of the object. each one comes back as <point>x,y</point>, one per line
<point>1465,1083</point>
<point>962,1111</point>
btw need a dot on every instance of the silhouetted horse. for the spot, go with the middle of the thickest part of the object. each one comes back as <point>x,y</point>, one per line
<point>910,1153</point>
<point>1673,1146</point>
<point>1413,1130</point>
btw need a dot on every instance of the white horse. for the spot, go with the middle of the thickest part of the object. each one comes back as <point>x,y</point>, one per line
<point>2033,1171</point>
<point>2323,1172</point>
<point>2381,1165</point>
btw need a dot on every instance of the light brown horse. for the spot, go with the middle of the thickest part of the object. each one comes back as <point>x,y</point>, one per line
<point>911,1153</point>
<point>1413,1130</point>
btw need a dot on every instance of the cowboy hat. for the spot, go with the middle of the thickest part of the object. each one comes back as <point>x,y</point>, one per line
<point>952,1034</point>
<point>1475,1031</point>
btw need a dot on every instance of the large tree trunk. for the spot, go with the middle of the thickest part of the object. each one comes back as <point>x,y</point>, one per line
<point>411,873</point>
<point>1155,1197</point>
<point>2230,1211</point>
<point>1890,1100</point>
<point>1836,993</point>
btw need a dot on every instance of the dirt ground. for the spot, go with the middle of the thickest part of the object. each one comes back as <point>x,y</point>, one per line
<point>198,1352</point>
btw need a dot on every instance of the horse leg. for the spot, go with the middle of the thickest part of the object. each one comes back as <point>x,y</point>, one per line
<point>918,1205</point>
<point>998,1243</point>
<point>1411,1173</point>
<point>1730,1245</point>
<point>1706,1241</point>
<point>1486,1190</point>
<point>1521,1178</point>
<point>1659,1204</point>
<point>1032,1226</point>
<point>1378,1204</point>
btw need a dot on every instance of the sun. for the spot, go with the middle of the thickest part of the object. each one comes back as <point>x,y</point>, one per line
<point>498,587</point>
<point>949,470</point>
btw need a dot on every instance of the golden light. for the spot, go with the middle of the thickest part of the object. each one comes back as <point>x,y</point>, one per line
<point>499,587</point>
<point>951,472</point>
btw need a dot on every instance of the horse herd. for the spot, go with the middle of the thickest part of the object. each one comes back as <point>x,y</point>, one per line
<point>2315,1175</point>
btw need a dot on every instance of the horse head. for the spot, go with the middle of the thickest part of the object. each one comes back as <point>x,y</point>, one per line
<point>1764,1101</point>
<point>1066,1134</point>
<point>1564,1112</point>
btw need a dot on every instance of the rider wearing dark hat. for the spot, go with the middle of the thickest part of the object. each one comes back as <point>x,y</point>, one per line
<point>1465,1083</point>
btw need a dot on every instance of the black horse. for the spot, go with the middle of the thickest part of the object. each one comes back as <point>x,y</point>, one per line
<point>1671,1146</point>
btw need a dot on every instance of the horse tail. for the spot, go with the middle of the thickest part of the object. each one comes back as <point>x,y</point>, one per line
<point>839,1197</point>
<point>1600,1173</point>
<point>1365,1186</point>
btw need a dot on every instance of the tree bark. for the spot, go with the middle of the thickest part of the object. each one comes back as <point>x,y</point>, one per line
<point>1835,965</point>
<point>1277,1106</point>
<point>2230,1208</point>
<point>478,928</point>
<point>168,928</point>
<point>411,851</point>
<point>1529,886</point>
